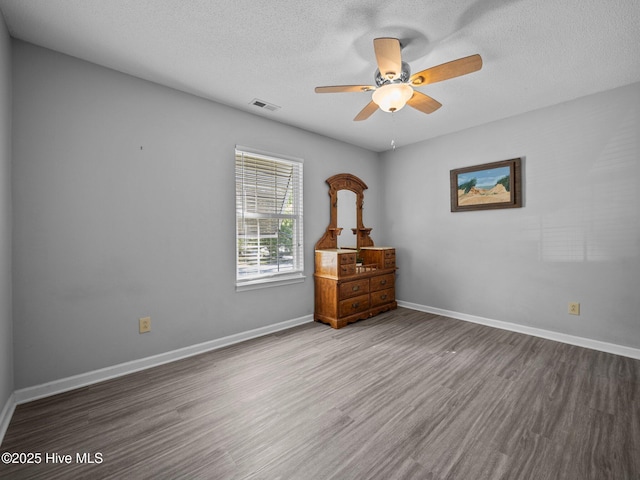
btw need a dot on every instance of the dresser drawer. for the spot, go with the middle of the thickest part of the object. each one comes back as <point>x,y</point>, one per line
<point>346,270</point>
<point>347,264</point>
<point>382,282</point>
<point>335,262</point>
<point>390,258</point>
<point>353,289</point>
<point>383,296</point>
<point>353,305</point>
<point>346,258</point>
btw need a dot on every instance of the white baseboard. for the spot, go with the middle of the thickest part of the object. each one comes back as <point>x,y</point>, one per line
<point>28,394</point>
<point>6,414</point>
<point>536,332</point>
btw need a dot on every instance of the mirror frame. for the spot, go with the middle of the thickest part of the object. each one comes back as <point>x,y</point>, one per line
<point>345,181</point>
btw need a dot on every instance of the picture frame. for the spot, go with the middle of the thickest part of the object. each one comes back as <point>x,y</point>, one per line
<point>488,186</point>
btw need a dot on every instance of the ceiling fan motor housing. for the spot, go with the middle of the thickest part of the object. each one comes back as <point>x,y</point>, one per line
<point>393,77</point>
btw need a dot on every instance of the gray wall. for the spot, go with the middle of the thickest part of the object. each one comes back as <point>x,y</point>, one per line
<point>6,329</point>
<point>576,239</point>
<point>107,231</point>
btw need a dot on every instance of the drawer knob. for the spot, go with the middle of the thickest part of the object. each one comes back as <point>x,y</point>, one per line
<point>355,288</point>
<point>383,282</point>
<point>383,297</point>
<point>355,305</point>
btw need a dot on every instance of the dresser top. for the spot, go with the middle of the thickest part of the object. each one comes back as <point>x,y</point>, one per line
<point>337,250</point>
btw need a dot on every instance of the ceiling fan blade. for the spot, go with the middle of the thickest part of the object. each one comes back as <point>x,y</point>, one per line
<point>366,112</point>
<point>423,102</point>
<point>388,56</point>
<point>448,70</point>
<point>345,88</point>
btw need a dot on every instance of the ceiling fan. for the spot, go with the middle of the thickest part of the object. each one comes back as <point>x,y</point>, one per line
<point>395,84</point>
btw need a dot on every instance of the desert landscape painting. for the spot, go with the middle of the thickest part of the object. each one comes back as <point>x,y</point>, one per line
<point>484,186</point>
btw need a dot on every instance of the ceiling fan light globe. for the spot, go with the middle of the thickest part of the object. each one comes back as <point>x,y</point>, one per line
<point>392,97</point>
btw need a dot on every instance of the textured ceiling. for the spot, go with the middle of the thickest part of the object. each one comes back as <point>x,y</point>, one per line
<point>536,53</point>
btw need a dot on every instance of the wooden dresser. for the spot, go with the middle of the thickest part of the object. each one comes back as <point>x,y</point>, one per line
<point>346,291</point>
<point>351,283</point>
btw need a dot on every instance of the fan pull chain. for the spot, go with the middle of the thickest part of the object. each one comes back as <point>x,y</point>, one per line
<point>393,131</point>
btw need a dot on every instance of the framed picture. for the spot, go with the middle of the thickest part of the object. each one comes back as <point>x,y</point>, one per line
<point>488,186</point>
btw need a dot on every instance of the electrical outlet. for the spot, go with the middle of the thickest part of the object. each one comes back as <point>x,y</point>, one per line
<point>145,324</point>
<point>574,308</point>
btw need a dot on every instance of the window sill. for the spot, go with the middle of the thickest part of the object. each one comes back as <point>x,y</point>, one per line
<point>269,282</point>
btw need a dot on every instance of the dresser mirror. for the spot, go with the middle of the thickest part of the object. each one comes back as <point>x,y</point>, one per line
<point>347,191</point>
<point>347,218</point>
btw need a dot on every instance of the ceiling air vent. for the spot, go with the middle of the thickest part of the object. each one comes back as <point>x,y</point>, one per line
<point>266,105</point>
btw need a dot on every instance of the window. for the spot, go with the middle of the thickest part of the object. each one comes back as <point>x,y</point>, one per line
<point>269,247</point>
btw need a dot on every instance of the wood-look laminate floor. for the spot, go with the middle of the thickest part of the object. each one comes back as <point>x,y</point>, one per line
<point>404,395</point>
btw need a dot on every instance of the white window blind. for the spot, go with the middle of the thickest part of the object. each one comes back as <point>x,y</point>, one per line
<point>268,218</point>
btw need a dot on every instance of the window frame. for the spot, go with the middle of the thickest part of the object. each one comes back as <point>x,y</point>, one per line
<point>269,279</point>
